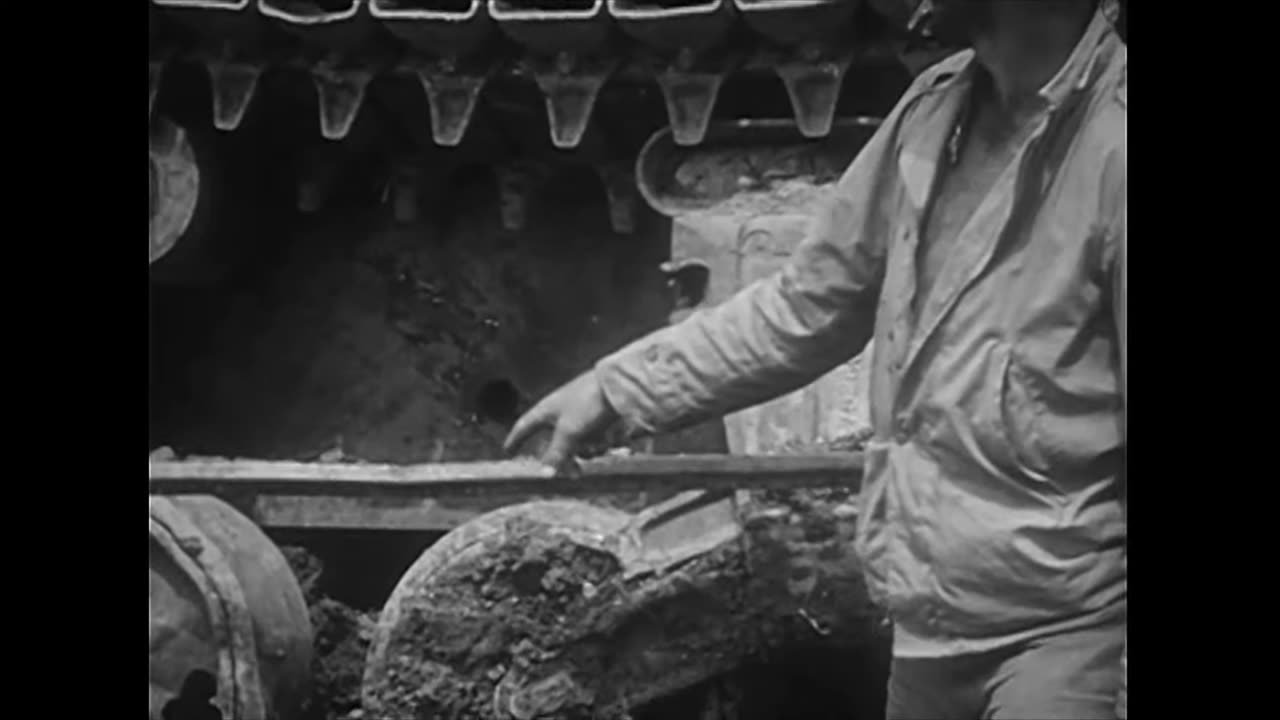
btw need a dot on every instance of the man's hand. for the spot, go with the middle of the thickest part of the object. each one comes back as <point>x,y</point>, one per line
<point>573,413</point>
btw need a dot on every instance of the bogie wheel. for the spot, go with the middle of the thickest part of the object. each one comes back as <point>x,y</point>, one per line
<point>229,626</point>
<point>449,642</point>
<point>174,186</point>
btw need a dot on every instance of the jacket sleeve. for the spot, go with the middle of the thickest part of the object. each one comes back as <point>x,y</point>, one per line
<point>780,333</point>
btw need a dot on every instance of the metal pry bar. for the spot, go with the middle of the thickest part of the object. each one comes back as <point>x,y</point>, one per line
<point>509,477</point>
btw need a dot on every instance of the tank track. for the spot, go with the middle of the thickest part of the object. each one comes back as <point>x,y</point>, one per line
<point>569,50</point>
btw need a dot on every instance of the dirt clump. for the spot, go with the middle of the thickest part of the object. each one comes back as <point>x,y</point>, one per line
<point>489,622</point>
<point>341,641</point>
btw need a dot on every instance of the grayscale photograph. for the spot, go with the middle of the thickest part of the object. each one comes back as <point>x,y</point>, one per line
<point>638,359</point>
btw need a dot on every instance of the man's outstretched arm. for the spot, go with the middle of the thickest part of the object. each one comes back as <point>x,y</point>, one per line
<point>778,334</point>
<point>772,337</point>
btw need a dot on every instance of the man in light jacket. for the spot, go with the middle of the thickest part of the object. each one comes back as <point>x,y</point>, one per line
<point>980,238</point>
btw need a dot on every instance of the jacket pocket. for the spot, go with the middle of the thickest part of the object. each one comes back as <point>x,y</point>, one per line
<point>1006,426</point>
<point>1019,410</point>
<point>1061,428</point>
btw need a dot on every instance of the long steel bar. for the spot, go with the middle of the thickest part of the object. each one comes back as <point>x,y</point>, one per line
<point>236,478</point>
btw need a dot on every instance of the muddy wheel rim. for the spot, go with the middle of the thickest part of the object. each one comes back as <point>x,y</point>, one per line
<point>175,187</point>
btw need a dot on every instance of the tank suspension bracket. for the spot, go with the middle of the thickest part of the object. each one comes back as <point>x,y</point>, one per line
<point>234,84</point>
<point>452,92</point>
<point>690,86</point>
<point>240,686</point>
<point>813,80</point>
<point>340,93</point>
<point>570,84</point>
<point>289,494</point>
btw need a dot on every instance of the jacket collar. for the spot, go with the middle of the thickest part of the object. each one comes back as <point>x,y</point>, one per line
<point>1086,64</point>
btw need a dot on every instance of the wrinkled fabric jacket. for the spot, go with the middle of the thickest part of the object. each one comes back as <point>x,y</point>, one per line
<point>992,500</point>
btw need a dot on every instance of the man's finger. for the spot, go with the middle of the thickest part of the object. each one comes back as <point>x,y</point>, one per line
<point>559,450</point>
<point>527,425</point>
